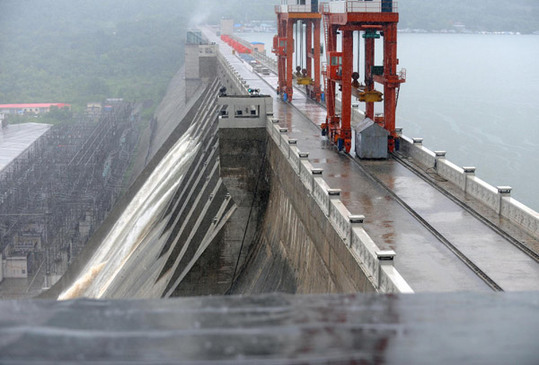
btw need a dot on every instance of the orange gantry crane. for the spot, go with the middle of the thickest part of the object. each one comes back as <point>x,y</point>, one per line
<point>296,13</point>
<point>375,19</point>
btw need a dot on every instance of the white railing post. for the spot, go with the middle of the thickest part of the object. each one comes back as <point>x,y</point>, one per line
<point>418,141</point>
<point>291,142</point>
<point>282,131</point>
<point>503,192</point>
<point>355,222</point>
<point>333,194</point>
<point>385,257</point>
<point>468,172</point>
<point>438,155</point>
<point>302,156</point>
<point>316,172</point>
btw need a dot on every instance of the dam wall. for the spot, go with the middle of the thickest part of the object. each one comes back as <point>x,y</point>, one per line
<point>177,128</point>
<point>168,114</point>
<point>309,242</point>
<point>237,211</point>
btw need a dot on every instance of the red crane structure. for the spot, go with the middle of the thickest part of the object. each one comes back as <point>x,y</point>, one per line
<point>290,13</point>
<point>376,19</point>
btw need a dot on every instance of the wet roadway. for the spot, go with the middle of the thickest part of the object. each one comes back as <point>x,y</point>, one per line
<point>422,259</point>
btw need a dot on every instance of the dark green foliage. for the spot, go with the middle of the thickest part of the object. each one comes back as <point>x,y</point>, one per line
<point>78,51</point>
<point>54,116</point>
<point>60,115</point>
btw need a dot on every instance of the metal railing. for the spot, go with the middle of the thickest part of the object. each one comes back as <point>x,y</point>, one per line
<point>265,60</point>
<point>361,6</point>
<point>296,9</point>
<point>232,76</point>
<point>377,264</point>
<point>299,8</point>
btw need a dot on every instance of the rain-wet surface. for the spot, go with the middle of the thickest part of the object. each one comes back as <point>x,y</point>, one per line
<point>443,328</point>
<point>424,261</point>
<point>15,138</point>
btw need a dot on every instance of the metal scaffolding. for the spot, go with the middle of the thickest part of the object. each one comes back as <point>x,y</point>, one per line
<point>55,194</point>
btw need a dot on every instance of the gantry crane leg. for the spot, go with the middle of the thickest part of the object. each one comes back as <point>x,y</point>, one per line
<point>289,59</point>
<point>345,133</point>
<point>369,82</point>
<point>390,81</point>
<point>316,59</point>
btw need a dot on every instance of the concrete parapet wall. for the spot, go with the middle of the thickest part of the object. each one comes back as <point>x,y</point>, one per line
<point>520,214</point>
<point>451,172</point>
<point>342,243</point>
<point>265,60</point>
<point>496,198</point>
<point>338,216</point>
<point>364,248</point>
<point>230,77</point>
<point>483,192</point>
<point>414,149</point>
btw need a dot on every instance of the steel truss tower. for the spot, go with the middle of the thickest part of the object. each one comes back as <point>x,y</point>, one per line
<point>376,19</point>
<point>290,13</point>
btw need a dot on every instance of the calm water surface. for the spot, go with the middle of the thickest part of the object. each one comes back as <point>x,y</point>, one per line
<point>476,97</point>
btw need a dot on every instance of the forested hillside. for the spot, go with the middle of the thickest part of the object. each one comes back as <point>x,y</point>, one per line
<point>486,15</point>
<point>77,51</point>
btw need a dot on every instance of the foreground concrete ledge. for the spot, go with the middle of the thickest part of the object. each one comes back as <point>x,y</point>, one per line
<point>437,328</point>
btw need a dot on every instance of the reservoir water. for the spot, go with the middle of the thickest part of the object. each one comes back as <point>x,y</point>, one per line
<point>474,96</point>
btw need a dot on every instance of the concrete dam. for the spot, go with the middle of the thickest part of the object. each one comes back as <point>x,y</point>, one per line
<point>289,251</point>
<point>214,213</point>
<point>230,204</point>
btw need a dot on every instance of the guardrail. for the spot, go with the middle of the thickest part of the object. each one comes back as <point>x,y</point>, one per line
<point>230,77</point>
<point>262,58</point>
<point>377,264</point>
<point>361,6</point>
<point>265,60</point>
<point>496,198</point>
<point>295,9</point>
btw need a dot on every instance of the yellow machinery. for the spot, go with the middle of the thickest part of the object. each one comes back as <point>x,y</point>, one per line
<point>370,96</point>
<point>304,80</point>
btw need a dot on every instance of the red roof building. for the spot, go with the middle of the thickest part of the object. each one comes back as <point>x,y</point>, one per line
<point>35,108</point>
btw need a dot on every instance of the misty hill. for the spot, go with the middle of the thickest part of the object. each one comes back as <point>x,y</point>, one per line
<point>486,15</point>
<point>76,51</point>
